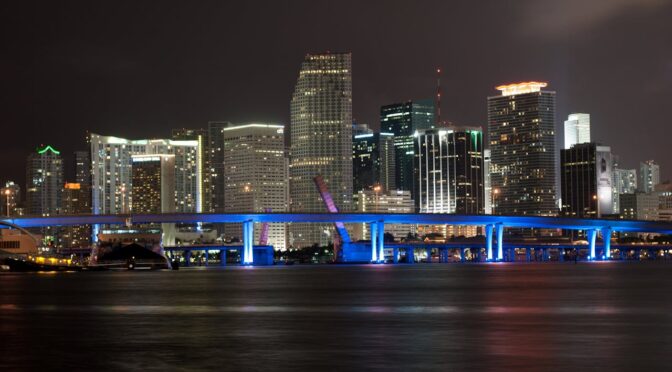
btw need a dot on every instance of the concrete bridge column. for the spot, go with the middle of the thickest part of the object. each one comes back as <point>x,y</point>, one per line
<point>429,255</point>
<point>207,256</point>
<point>488,241</point>
<point>381,241</point>
<point>187,258</point>
<point>248,242</point>
<point>592,237</point>
<point>500,241</point>
<point>410,255</point>
<point>606,238</point>
<point>373,233</point>
<point>561,254</point>
<point>395,255</point>
<point>222,257</point>
<point>545,254</point>
<point>528,254</point>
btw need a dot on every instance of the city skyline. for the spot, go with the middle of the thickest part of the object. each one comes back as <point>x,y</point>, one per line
<point>199,83</point>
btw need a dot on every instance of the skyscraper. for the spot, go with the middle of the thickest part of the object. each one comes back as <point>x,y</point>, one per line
<point>521,124</point>
<point>215,164</point>
<point>577,129</point>
<point>321,141</point>
<point>449,171</point>
<point>403,120</point>
<point>205,185</point>
<point>76,200</point>
<point>11,197</point>
<point>372,160</point>
<point>255,176</point>
<point>44,182</point>
<point>153,180</point>
<point>83,168</point>
<point>112,179</point>
<point>624,182</point>
<point>586,181</point>
<point>487,186</point>
<point>649,176</point>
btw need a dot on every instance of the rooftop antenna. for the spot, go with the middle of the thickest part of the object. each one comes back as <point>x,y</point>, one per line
<point>438,96</point>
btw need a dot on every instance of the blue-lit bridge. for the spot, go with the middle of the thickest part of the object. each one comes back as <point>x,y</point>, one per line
<point>374,251</point>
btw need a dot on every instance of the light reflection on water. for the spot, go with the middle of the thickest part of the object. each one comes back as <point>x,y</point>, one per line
<point>483,317</point>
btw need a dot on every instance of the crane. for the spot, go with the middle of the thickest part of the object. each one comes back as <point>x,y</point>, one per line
<point>343,236</point>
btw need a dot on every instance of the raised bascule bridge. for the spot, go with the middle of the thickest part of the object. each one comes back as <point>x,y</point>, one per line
<point>494,249</point>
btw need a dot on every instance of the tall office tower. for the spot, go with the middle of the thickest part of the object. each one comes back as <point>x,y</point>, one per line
<point>76,200</point>
<point>586,181</point>
<point>256,176</point>
<point>153,189</point>
<point>201,136</point>
<point>83,168</point>
<point>449,171</point>
<point>372,160</point>
<point>487,186</point>
<point>215,164</point>
<point>11,197</point>
<point>624,182</point>
<point>44,182</point>
<point>577,129</point>
<point>649,176</point>
<point>403,120</point>
<point>387,162</point>
<point>321,141</point>
<point>111,172</point>
<point>372,201</point>
<point>521,128</point>
<point>640,206</point>
<point>153,180</point>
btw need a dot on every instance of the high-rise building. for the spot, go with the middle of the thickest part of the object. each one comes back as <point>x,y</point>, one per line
<point>111,172</point>
<point>521,128</point>
<point>449,171</point>
<point>372,160</point>
<point>487,186</point>
<point>321,141</point>
<point>76,200</point>
<point>215,164</point>
<point>649,176</point>
<point>201,136</point>
<point>153,184</point>
<point>379,201</point>
<point>256,176</point>
<point>44,182</point>
<point>624,182</point>
<point>11,197</point>
<point>586,181</point>
<point>83,168</point>
<point>403,120</point>
<point>640,206</point>
<point>577,129</point>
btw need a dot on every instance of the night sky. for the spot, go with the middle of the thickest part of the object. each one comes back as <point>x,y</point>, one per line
<point>138,69</point>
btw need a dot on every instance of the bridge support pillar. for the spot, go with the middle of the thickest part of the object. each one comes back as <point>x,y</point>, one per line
<point>606,238</point>
<point>248,243</point>
<point>381,241</point>
<point>410,255</point>
<point>488,241</point>
<point>373,233</point>
<point>500,241</point>
<point>592,237</point>
<point>207,257</point>
<point>395,253</point>
<point>528,254</point>
<point>429,255</point>
<point>561,254</point>
<point>187,258</point>
<point>222,257</point>
<point>546,254</point>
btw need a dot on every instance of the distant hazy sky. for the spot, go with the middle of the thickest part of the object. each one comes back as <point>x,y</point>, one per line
<point>138,69</point>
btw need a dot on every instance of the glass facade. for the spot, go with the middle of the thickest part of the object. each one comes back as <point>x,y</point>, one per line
<point>521,129</point>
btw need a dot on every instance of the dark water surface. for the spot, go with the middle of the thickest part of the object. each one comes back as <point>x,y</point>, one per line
<point>601,316</point>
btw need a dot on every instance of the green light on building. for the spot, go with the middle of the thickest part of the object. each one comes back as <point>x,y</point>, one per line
<point>48,148</point>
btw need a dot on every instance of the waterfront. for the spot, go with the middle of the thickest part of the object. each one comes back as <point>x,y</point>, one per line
<point>598,315</point>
